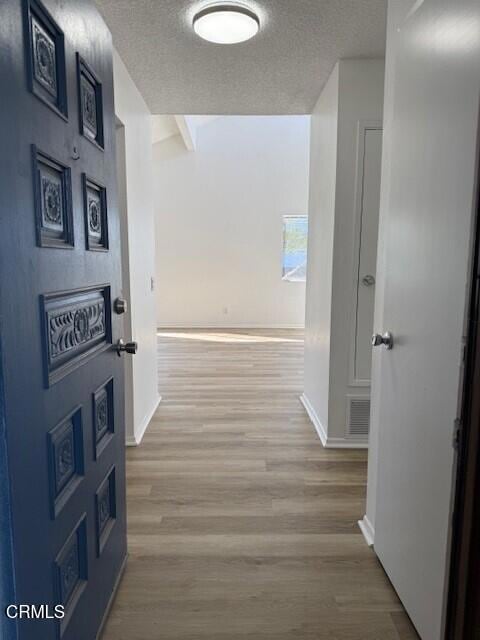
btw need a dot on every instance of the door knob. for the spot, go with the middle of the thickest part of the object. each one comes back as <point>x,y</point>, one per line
<point>386,340</point>
<point>120,305</point>
<point>368,280</point>
<point>128,347</point>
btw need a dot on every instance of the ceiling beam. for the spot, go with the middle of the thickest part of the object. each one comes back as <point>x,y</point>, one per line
<point>187,131</point>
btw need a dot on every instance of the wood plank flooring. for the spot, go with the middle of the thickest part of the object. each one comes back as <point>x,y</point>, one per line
<point>241,525</point>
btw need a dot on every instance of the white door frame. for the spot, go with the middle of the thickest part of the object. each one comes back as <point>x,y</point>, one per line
<point>362,127</point>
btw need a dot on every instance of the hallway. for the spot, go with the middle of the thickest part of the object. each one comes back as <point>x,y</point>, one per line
<point>240,524</point>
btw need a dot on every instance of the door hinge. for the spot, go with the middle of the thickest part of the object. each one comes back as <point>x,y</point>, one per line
<point>457,434</point>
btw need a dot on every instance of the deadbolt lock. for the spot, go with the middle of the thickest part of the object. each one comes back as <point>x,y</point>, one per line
<point>120,305</point>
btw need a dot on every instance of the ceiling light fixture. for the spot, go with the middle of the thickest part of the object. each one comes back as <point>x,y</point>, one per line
<point>226,23</point>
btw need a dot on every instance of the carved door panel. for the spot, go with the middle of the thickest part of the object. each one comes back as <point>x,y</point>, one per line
<point>60,270</point>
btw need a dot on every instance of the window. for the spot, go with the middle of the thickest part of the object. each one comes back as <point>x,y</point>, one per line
<point>295,233</point>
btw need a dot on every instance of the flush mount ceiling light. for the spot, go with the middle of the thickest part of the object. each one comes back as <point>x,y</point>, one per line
<point>226,23</point>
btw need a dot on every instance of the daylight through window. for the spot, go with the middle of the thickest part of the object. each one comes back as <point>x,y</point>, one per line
<point>295,234</point>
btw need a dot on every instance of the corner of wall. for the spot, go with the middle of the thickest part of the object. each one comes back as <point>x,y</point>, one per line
<point>132,111</point>
<point>367,530</point>
<point>361,88</point>
<point>322,196</point>
<point>314,419</point>
<point>327,441</point>
<point>136,439</point>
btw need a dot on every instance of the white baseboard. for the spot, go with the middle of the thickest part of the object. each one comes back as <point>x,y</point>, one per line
<point>367,530</point>
<point>314,419</point>
<point>345,443</point>
<point>226,326</point>
<point>134,442</point>
<point>329,442</point>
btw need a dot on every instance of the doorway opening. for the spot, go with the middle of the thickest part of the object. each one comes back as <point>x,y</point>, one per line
<point>124,235</point>
<point>463,618</point>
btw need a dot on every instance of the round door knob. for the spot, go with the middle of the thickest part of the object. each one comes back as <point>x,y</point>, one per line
<point>120,305</point>
<point>127,347</point>
<point>368,280</point>
<point>386,340</point>
<point>376,340</point>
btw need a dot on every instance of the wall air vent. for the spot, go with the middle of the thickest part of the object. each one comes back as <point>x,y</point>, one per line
<point>358,417</point>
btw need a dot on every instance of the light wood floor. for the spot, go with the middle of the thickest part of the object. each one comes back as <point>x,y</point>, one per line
<point>241,526</point>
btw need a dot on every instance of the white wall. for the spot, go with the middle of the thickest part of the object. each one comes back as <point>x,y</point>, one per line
<point>219,222</point>
<point>323,178</point>
<point>133,113</point>
<point>127,317</point>
<point>353,93</point>
<point>368,524</point>
<point>361,89</point>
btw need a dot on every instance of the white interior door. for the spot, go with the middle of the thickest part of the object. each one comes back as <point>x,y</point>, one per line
<point>367,254</point>
<point>431,118</point>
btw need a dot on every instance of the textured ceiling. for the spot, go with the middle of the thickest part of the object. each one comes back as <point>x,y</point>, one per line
<point>281,71</point>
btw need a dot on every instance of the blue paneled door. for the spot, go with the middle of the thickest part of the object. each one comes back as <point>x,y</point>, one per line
<point>60,273</point>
